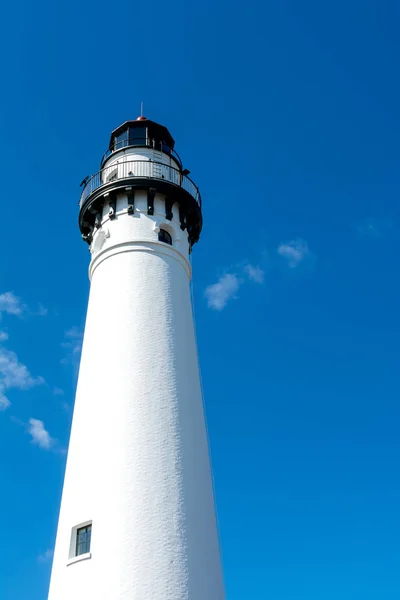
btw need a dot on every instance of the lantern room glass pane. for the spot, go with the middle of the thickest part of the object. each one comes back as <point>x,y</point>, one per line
<point>121,140</point>
<point>137,136</point>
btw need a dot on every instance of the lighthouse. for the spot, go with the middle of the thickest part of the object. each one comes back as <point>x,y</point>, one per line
<point>137,518</point>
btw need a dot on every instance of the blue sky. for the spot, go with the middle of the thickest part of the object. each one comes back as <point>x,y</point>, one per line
<point>288,118</point>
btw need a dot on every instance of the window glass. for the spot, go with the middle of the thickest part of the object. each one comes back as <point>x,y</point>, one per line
<point>83,537</point>
<point>137,136</point>
<point>164,236</point>
<point>121,140</point>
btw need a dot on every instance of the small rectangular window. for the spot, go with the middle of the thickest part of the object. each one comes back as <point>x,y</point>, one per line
<point>83,537</point>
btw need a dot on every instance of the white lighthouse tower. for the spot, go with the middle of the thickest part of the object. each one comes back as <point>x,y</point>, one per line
<point>137,518</point>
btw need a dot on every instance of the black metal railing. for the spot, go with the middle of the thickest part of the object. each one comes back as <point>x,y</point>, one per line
<point>138,143</point>
<point>142,169</point>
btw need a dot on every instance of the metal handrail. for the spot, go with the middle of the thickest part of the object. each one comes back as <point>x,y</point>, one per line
<point>128,144</point>
<point>142,169</point>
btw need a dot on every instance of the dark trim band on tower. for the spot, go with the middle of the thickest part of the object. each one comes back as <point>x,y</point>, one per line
<point>190,215</point>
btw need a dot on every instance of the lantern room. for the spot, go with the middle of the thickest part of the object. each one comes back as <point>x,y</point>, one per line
<point>142,133</point>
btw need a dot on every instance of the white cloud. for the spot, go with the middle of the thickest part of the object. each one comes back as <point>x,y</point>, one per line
<point>295,252</point>
<point>255,274</point>
<point>73,345</point>
<point>73,333</point>
<point>40,436</point>
<point>42,311</point>
<point>14,375</point>
<point>4,401</point>
<point>46,556</point>
<point>219,294</point>
<point>58,391</point>
<point>11,304</point>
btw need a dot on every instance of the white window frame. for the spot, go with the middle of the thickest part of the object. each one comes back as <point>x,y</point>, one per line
<point>72,556</point>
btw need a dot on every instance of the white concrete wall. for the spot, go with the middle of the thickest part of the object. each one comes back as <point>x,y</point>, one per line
<point>138,464</point>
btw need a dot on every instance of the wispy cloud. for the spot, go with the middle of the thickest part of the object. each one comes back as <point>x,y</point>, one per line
<point>374,228</point>
<point>226,288</point>
<point>11,304</point>
<point>46,556</point>
<point>73,333</point>
<point>73,346</point>
<point>254,273</point>
<point>60,394</point>
<point>218,294</point>
<point>58,391</point>
<point>41,311</point>
<point>67,408</point>
<point>4,401</point>
<point>40,436</point>
<point>14,375</point>
<point>294,252</point>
